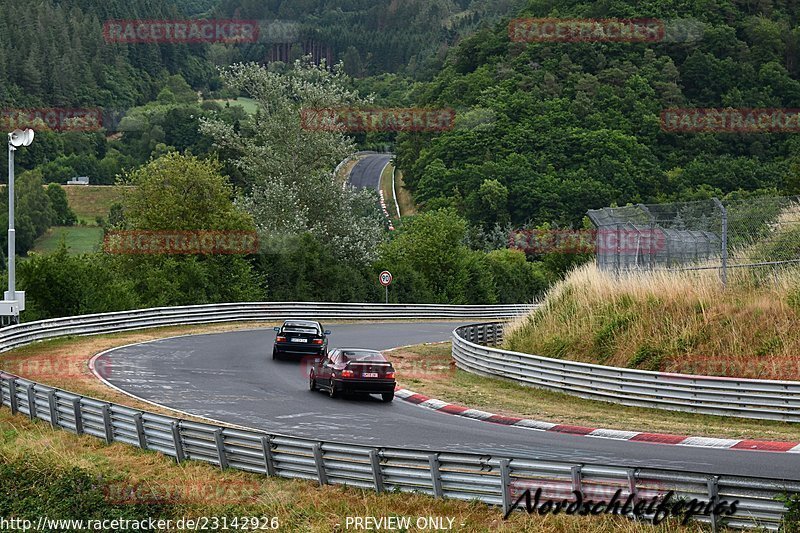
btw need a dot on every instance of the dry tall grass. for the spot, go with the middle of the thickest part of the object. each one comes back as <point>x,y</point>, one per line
<point>671,321</point>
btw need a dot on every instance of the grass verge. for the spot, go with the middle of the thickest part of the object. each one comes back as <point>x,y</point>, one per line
<point>404,198</point>
<point>55,473</point>
<point>79,239</point>
<point>429,369</point>
<point>685,322</point>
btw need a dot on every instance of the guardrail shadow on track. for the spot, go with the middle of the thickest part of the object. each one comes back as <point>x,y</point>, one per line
<point>474,350</point>
<point>441,474</point>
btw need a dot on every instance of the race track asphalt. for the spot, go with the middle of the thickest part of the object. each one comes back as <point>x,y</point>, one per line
<point>231,377</point>
<point>367,172</point>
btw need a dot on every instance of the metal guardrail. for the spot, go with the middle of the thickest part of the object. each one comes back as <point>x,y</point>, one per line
<point>474,350</point>
<point>496,480</point>
<point>21,334</point>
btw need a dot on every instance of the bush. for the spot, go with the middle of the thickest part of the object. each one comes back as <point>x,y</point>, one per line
<point>303,268</point>
<point>60,284</point>
<point>516,279</point>
<point>63,215</point>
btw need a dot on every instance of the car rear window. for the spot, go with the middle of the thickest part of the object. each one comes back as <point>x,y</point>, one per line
<point>300,328</point>
<point>353,355</point>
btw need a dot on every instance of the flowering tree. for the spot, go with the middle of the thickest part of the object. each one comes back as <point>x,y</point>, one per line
<point>288,169</point>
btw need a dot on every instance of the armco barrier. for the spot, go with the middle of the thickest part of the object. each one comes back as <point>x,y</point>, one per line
<point>496,480</point>
<point>474,351</point>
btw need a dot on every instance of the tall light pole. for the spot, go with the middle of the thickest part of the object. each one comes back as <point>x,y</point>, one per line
<point>13,301</point>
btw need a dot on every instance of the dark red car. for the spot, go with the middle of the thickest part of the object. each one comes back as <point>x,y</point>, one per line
<point>355,370</point>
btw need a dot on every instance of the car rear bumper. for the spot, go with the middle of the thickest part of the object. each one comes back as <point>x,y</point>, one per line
<point>299,349</point>
<point>372,386</point>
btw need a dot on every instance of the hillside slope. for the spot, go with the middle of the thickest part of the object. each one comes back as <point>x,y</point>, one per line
<point>547,130</point>
<point>672,322</point>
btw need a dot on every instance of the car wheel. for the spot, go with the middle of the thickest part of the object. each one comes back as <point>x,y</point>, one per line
<point>312,382</point>
<point>387,396</point>
<point>275,355</point>
<point>332,392</point>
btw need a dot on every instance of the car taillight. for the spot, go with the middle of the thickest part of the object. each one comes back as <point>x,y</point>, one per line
<point>347,373</point>
<point>390,375</point>
<point>316,341</point>
<point>280,339</point>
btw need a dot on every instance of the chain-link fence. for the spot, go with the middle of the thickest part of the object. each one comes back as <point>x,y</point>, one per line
<point>706,234</point>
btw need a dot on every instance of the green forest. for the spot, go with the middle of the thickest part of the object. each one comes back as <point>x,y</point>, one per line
<point>543,132</point>
<point>550,130</point>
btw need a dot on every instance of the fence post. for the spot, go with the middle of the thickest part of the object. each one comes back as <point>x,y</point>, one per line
<point>266,445</point>
<point>505,484</point>
<point>632,474</point>
<point>377,474</point>
<point>713,493</point>
<point>220,442</point>
<point>724,241</point>
<point>576,477</point>
<point>76,408</point>
<point>320,463</point>
<point>176,439</point>
<point>436,477</point>
<point>107,423</point>
<point>138,419</point>
<point>53,404</point>
<point>12,395</point>
<point>31,401</point>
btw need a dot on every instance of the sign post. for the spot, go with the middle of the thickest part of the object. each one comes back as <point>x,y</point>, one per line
<point>386,279</point>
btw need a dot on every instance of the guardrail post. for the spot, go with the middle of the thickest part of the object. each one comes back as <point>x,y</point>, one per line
<point>505,484</point>
<point>632,473</point>
<point>320,462</point>
<point>220,441</point>
<point>576,477</point>
<point>377,474</point>
<point>266,445</point>
<point>713,493</point>
<point>176,439</point>
<point>12,395</point>
<point>31,401</point>
<point>138,419</point>
<point>53,404</point>
<point>436,476</point>
<point>107,423</point>
<point>76,408</point>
